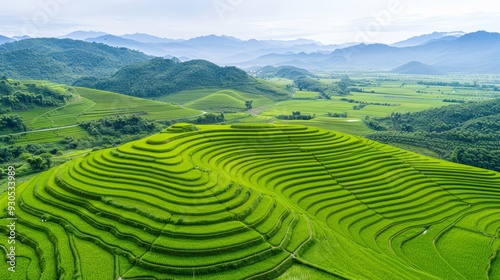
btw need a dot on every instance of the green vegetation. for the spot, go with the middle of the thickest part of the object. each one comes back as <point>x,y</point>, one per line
<point>256,201</point>
<point>63,60</point>
<point>159,77</point>
<point>217,100</point>
<point>36,133</point>
<point>466,133</point>
<point>295,116</point>
<point>287,72</point>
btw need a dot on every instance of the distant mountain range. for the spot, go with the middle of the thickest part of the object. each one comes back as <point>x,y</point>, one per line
<point>428,38</point>
<point>448,52</point>
<point>477,52</point>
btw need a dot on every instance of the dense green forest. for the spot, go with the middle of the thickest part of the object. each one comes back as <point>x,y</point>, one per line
<point>63,60</point>
<point>465,133</point>
<point>160,76</point>
<point>287,72</point>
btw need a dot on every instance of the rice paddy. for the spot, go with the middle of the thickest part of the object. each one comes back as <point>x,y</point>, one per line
<point>256,201</point>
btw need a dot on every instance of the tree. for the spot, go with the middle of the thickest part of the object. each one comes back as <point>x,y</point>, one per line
<point>248,104</point>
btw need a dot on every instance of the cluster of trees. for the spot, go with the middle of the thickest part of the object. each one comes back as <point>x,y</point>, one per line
<point>248,104</point>
<point>37,156</point>
<point>338,115</point>
<point>359,107</point>
<point>17,96</point>
<point>12,123</point>
<point>454,100</point>
<point>210,118</point>
<point>366,103</point>
<point>466,133</point>
<point>296,115</point>
<point>325,90</point>
<point>120,125</point>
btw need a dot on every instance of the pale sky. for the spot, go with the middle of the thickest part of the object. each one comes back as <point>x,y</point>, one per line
<point>326,21</point>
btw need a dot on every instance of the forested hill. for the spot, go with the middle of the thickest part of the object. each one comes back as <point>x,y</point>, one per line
<point>63,60</point>
<point>466,133</point>
<point>161,76</point>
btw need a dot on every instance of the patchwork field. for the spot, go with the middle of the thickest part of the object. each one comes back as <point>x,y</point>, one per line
<point>256,201</point>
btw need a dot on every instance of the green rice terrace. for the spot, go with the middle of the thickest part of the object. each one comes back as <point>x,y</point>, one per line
<point>256,201</point>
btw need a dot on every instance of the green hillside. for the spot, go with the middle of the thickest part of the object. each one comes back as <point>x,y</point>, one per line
<point>466,133</point>
<point>287,72</point>
<point>256,201</point>
<point>65,107</point>
<point>63,60</point>
<point>159,77</point>
<point>216,99</point>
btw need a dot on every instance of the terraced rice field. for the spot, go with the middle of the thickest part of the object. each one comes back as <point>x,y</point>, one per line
<point>257,201</point>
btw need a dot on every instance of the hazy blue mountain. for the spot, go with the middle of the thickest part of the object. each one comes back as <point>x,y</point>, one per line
<point>426,38</point>
<point>82,35</point>
<point>223,50</point>
<point>4,40</point>
<point>416,67</point>
<point>18,38</point>
<point>146,38</point>
<point>477,52</point>
<point>63,60</point>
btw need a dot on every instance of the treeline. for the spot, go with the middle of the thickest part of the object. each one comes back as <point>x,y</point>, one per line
<point>367,103</point>
<point>466,133</point>
<point>441,119</point>
<point>296,115</point>
<point>338,115</point>
<point>210,118</point>
<point>458,84</point>
<point>454,100</point>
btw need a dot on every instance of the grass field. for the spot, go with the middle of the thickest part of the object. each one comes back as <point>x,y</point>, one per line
<point>256,201</point>
<point>215,100</point>
<point>91,105</point>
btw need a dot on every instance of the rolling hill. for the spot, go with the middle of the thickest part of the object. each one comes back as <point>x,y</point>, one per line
<point>159,77</point>
<point>287,72</point>
<point>256,202</point>
<point>54,111</point>
<point>62,60</point>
